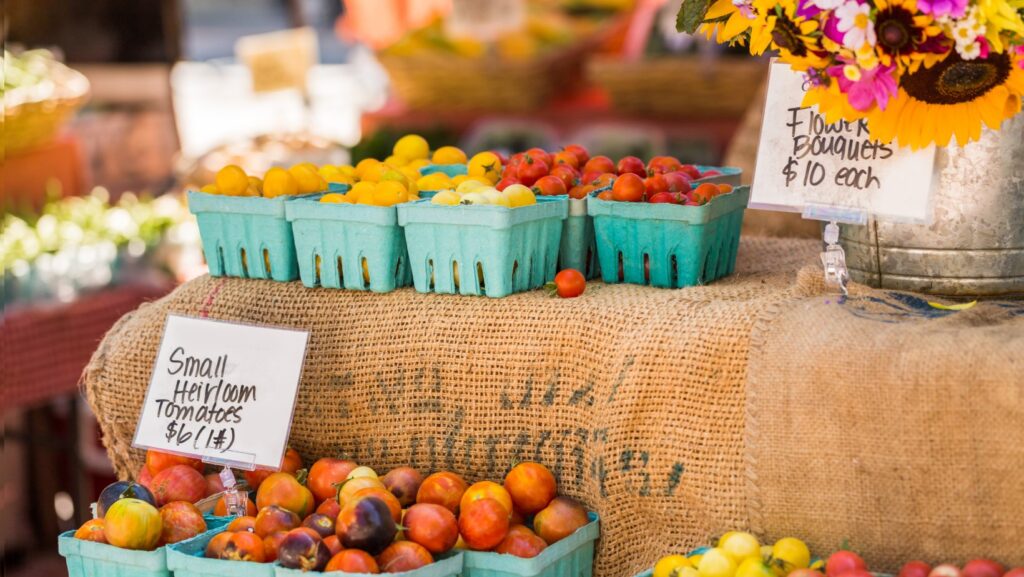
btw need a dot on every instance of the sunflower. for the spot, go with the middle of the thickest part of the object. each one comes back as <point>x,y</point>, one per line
<point>795,37</point>
<point>734,21</point>
<point>905,37</point>
<point>953,98</point>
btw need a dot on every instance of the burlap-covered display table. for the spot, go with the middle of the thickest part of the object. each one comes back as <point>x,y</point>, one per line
<point>761,401</point>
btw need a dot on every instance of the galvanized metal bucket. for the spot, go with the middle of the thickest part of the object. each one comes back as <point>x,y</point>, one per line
<point>975,246</point>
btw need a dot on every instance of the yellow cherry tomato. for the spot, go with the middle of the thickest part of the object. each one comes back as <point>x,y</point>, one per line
<point>412,147</point>
<point>740,545</point>
<point>754,567</point>
<point>363,166</point>
<point>790,554</point>
<point>307,179</point>
<point>279,182</point>
<point>519,195</point>
<point>389,193</point>
<point>396,161</point>
<point>449,155</point>
<point>716,563</point>
<point>335,197</point>
<point>209,189</point>
<point>485,165</point>
<point>670,565</point>
<point>232,180</point>
<point>446,198</point>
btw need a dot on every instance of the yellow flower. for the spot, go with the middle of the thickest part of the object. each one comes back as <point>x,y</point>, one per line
<point>999,17</point>
<point>734,23</point>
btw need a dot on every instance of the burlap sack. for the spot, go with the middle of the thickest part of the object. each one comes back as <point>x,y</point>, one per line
<point>885,422</point>
<point>635,397</point>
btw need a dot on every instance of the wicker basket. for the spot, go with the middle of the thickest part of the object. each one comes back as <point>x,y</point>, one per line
<point>432,81</point>
<point>30,124</point>
<point>680,86</point>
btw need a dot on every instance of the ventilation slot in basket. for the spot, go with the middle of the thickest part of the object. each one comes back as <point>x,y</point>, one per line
<point>366,273</point>
<point>341,273</point>
<point>622,270</point>
<point>430,272</point>
<point>245,265</point>
<point>647,269</point>
<point>266,262</point>
<point>316,270</point>
<point>480,276</point>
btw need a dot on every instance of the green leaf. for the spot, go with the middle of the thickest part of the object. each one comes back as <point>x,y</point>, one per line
<point>691,15</point>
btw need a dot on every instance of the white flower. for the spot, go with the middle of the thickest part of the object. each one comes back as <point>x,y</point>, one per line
<point>856,25</point>
<point>969,51</point>
<point>827,4</point>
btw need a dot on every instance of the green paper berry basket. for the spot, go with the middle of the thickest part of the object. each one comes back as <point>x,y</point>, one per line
<point>89,559</point>
<point>187,559</point>
<point>681,245</point>
<point>730,175</point>
<point>570,557</point>
<point>351,246</point>
<point>480,249</point>
<point>246,236</point>
<point>452,170</point>
<point>451,565</point>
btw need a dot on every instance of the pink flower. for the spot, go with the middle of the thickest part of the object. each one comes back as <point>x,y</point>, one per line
<point>984,46</point>
<point>1020,52</point>
<point>866,88</point>
<point>939,8</point>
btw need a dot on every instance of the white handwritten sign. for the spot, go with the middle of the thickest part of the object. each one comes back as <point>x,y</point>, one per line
<point>822,170</point>
<point>223,392</point>
<point>485,19</point>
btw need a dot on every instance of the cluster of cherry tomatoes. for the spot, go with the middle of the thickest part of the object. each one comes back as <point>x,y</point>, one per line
<point>573,172</point>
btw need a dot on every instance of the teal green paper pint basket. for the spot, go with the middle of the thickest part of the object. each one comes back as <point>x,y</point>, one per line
<point>187,559</point>
<point>245,236</point>
<point>730,175</point>
<point>89,559</point>
<point>578,250</point>
<point>681,245</point>
<point>570,557</point>
<point>333,240</point>
<point>452,170</point>
<point>448,566</point>
<point>482,249</point>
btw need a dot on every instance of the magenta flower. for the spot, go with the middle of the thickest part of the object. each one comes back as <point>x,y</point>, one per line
<point>866,88</point>
<point>939,8</point>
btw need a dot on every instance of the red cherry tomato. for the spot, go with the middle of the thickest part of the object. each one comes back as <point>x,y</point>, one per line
<point>843,561</point>
<point>540,154</point>
<point>531,170</point>
<point>915,569</point>
<point>983,568</point>
<point>664,198</point>
<point>569,283</point>
<point>628,188</point>
<point>677,182</point>
<point>599,164</point>
<point>569,175</point>
<point>632,164</point>
<point>655,184</point>
<point>549,186</point>
<point>582,156</point>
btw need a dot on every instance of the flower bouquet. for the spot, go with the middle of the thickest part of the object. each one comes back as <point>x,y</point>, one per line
<point>917,71</point>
